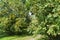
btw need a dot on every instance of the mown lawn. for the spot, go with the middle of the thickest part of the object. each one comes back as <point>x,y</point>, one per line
<point>17,38</point>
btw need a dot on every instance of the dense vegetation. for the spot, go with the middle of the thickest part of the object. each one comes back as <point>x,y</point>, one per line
<point>30,17</point>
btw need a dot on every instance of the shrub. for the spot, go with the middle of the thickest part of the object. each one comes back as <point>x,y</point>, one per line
<point>45,17</point>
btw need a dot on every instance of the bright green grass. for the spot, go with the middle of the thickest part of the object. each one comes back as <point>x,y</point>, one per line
<point>17,38</point>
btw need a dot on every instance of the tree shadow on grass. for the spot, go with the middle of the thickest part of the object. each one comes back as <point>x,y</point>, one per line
<point>13,35</point>
<point>3,35</point>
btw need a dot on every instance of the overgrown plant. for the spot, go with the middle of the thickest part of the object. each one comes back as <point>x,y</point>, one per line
<point>44,20</point>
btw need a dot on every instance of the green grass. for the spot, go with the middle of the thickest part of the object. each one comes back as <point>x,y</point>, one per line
<point>17,38</point>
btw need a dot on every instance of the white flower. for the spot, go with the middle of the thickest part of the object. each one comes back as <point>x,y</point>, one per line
<point>30,13</point>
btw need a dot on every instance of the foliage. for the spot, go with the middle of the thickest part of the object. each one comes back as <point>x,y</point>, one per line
<point>45,18</point>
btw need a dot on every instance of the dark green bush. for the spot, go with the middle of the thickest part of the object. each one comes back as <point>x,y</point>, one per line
<point>45,18</point>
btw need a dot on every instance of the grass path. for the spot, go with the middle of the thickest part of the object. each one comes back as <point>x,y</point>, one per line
<point>18,38</point>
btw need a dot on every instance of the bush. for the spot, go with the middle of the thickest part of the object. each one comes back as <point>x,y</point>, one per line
<point>44,18</point>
